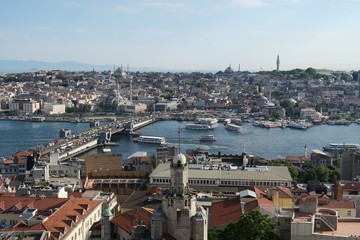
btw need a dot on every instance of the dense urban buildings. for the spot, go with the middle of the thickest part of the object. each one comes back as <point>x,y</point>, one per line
<point>46,192</point>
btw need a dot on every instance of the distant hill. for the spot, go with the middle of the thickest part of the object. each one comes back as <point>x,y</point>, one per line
<point>18,66</point>
<point>31,65</point>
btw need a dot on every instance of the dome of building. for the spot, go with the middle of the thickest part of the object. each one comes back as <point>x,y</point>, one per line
<point>107,213</point>
<point>180,158</point>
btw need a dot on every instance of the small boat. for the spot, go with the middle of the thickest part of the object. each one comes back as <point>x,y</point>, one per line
<point>198,126</point>
<point>106,150</point>
<point>208,138</point>
<point>150,139</point>
<point>233,127</point>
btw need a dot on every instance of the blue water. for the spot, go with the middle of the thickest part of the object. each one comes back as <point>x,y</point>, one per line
<point>21,135</point>
<point>266,143</point>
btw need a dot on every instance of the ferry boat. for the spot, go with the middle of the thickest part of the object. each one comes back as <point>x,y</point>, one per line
<point>150,139</point>
<point>197,126</point>
<point>208,138</point>
<point>233,127</point>
<point>35,119</point>
<point>339,147</point>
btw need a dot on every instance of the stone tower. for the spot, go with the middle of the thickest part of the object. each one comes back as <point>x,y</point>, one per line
<point>278,63</point>
<point>106,232</point>
<point>179,216</point>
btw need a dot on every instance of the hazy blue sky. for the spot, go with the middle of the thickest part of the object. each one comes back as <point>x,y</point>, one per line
<point>188,34</point>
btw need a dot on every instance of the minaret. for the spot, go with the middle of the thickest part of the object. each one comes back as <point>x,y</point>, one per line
<point>278,63</point>
<point>305,151</point>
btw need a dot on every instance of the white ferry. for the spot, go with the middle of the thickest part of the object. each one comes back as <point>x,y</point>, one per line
<point>233,127</point>
<point>197,126</point>
<point>150,139</point>
<point>339,147</point>
<point>208,138</point>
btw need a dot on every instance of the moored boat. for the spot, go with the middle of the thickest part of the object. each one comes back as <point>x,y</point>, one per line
<point>233,127</point>
<point>150,139</point>
<point>198,126</point>
<point>340,147</point>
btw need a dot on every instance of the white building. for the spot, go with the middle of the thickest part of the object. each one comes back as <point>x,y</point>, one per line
<point>53,108</point>
<point>24,106</point>
<point>38,174</point>
<point>310,113</point>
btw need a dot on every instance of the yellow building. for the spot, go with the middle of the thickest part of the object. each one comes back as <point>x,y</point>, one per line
<point>282,198</point>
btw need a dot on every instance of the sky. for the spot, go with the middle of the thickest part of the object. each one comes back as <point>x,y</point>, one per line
<point>200,35</point>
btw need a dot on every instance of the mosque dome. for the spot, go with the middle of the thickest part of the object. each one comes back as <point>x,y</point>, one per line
<point>180,158</point>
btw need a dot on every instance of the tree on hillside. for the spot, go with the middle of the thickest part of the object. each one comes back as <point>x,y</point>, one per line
<point>252,226</point>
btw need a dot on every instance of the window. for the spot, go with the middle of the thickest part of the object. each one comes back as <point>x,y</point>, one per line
<point>349,213</point>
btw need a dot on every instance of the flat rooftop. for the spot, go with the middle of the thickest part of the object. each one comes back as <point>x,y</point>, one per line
<point>345,229</point>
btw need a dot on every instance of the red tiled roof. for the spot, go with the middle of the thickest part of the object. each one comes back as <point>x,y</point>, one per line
<point>43,205</point>
<point>129,219</point>
<point>284,192</point>
<point>59,221</point>
<point>340,204</point>
<point>224,212</point>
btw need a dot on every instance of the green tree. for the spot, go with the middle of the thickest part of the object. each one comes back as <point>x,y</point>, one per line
<point>252,226</point>
<point>310,174</point>
<point>214,234</point>
<point>153,161</point>
<point>322,173</point>
<point>311,71</point>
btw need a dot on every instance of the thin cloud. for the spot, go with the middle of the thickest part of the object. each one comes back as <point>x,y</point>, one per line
<point>165,5</point>
<point>249,3</point>
<point>124,9</point>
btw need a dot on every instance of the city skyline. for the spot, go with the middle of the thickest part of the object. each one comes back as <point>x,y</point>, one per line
<point>184,35</point>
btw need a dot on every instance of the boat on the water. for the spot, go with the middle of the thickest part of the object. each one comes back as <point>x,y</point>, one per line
<point>35,119</point>
<point>299,125</point>
<point>106,149</point>
<point>233,127</point>
<point>340,147</point>
<point>150,139</point>
<point>198,126</point>
<point>208,138</point>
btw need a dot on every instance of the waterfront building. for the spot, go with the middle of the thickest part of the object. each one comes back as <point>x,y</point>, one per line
<point>133,108</point>
<point>165,106</point>
<point>310,113</point>
<point>26,106</point>
<point>52,108</point>
<point>320,158</point>
<point>179,215</point>
<point>218,181</point>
